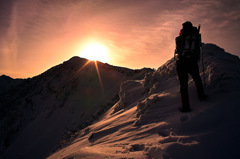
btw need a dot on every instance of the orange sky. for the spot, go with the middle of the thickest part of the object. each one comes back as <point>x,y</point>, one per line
<point>38,34</point>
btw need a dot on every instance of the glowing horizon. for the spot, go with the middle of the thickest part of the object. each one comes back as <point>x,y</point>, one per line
<point>95,52</point>
<point>136,34</point>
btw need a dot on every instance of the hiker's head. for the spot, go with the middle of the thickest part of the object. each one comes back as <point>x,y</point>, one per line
<point>187,28</point>
<point>187,25</point>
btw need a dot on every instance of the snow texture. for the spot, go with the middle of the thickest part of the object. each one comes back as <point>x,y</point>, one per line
<point>39,114</point>
<point>143,123</point>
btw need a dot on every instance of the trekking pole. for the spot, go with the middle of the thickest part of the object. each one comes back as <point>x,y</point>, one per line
<point>201,52</point>
<point>204,83</point>
<point>174,55</point>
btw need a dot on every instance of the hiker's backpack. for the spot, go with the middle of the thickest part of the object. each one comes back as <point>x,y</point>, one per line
<point>188,44</point>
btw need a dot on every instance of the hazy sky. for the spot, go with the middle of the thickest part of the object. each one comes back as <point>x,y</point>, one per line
<point>38,34</point>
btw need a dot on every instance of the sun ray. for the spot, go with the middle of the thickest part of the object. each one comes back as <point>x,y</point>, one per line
<point>95,52</point>
<point>99,76</point>
<point>84,65</point>
<point>98,72</point>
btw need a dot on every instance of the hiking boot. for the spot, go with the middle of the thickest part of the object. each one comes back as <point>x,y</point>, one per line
<point>184,110</point>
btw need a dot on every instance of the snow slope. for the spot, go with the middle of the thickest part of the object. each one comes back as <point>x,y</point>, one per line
<point>36,114</point>
<point>146,123</point>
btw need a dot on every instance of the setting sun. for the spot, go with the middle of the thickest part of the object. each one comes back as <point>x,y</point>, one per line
<point>95,52</point>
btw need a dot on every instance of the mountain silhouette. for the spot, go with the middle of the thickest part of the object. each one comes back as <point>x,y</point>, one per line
<point>37,113</point>
<point>68,112</point>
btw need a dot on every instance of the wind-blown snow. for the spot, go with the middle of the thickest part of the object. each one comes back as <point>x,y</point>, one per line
<point>144,122</point>
<point>37,113</point>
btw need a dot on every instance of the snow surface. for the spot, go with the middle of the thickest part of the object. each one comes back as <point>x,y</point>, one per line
<point>143,123</point>
<point>39,114</point>
<point>146,123</point>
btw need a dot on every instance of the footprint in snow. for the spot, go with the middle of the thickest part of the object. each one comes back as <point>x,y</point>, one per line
<point>137,147</point>
<point>163,133</point>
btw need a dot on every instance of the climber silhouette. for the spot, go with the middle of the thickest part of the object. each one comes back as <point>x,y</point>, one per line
<point>188,53</point>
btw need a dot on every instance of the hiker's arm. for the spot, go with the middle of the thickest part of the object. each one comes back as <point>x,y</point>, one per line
<point>178,50</point>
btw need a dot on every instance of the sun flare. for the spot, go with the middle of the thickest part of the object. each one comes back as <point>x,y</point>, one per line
<point>95,52</point>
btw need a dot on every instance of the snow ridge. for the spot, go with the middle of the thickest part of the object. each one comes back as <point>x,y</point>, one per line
<point>146,123</point>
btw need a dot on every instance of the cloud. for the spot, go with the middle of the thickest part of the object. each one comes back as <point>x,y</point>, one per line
<point>42,33</point>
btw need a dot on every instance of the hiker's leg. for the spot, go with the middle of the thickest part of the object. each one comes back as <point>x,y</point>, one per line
<point>183,79</point>
<point>194,72</point>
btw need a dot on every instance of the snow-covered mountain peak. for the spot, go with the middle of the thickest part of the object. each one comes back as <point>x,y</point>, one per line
<point>123,113</point>
<point>43,110</point>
